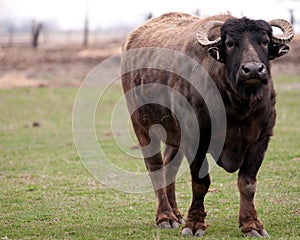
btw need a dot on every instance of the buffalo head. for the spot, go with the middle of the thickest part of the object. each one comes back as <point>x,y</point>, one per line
<point>246,46</point>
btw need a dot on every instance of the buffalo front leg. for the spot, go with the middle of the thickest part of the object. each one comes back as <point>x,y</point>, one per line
<point>195,222</point>
<point>248,220</point>
<point>250,224</point>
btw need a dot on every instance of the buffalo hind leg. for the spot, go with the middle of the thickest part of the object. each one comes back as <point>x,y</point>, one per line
<point>165,218</point>
<point>172,160</point>
<point>195,222</point>
<point>150,143</point>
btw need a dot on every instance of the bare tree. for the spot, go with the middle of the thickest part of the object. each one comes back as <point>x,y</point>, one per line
<point>86,25</point>
<point>149,16</point>
<point>11,32</point>
<point>86,32</point>
<point>36,29</point>
<point>292,18</point>
<point>197,12</point>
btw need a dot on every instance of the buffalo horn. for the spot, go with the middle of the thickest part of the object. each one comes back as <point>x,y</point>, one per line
<point>287,29</point>
<point>203,31</point>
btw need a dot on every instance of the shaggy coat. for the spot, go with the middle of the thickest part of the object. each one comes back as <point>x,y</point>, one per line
<point>240,68</point>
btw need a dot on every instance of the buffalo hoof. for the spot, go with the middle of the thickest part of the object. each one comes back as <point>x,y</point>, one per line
<point>258,234</point>
<point>188,232</point>
<point>199,233</point>
<point>168,224</point>
<point>181,221</point>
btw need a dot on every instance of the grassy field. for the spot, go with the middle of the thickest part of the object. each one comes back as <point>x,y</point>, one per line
<point>46,192</point>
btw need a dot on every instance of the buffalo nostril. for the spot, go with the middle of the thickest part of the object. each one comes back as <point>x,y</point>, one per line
<point>261,68</point>
<point>245,69</point>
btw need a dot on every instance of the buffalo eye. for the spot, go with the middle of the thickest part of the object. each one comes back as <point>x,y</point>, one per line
<point>229,44</point>
<point>265,42</point>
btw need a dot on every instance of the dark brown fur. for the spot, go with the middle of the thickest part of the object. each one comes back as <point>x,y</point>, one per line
<point>250,114</point>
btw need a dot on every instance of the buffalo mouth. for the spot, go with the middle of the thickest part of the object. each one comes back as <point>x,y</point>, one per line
<point>254,82</point>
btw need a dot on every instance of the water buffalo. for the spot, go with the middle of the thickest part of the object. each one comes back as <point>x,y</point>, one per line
<point>236,53</point>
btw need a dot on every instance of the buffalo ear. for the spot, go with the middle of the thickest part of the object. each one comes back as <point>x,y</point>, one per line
<point>214,52</point>
<point>277,50</point>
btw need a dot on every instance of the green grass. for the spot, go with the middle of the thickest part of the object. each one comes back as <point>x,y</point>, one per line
<point>46,193</point>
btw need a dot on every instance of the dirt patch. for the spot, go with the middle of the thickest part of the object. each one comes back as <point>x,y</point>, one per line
<point>54,66</point>
<point>18,80</point>
<point>98,53</point>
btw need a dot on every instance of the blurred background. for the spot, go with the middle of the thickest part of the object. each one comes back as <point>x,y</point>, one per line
<point>58,42</point>
<point>89,21</point>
